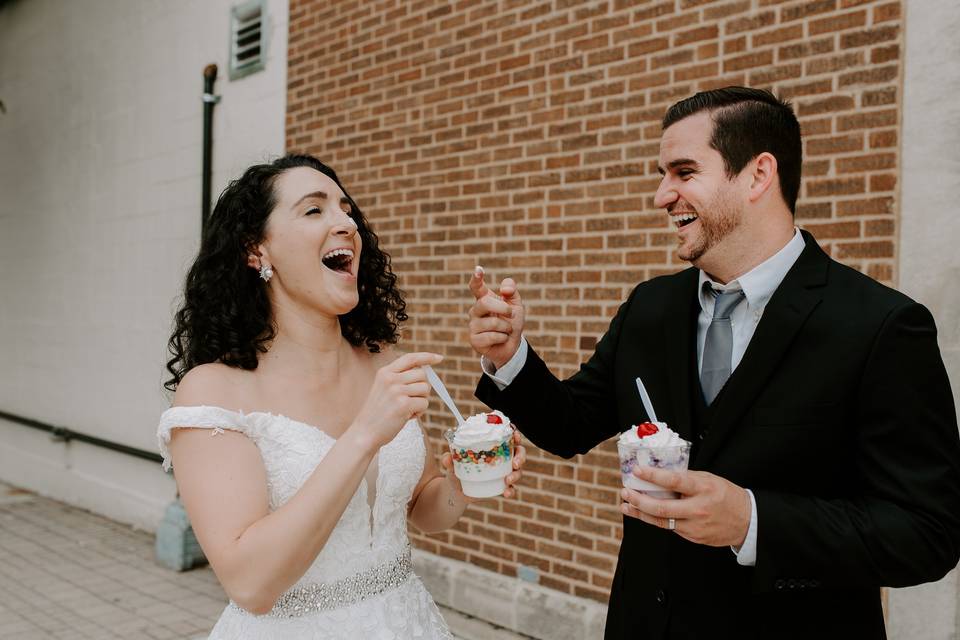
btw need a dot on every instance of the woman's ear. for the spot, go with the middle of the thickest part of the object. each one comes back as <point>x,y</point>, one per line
<point>257,256</point>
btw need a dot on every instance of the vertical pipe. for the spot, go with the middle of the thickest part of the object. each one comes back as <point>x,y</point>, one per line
<point>209,100</point>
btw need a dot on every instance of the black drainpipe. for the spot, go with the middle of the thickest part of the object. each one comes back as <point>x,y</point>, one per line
<point>66,435</point>
<point>209,100</point>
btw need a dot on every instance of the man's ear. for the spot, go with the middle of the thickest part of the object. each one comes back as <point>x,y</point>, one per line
<point>763,175</point>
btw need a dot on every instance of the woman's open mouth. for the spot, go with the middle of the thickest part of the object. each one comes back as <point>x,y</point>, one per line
<point>339,261</point>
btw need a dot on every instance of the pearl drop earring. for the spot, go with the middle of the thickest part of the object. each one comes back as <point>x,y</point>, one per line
<point>266,272</point>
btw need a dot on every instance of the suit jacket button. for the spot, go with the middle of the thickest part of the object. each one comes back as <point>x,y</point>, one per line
<point>779,585</point>
<point>702,436</point>
<point>814,584</point>
<point>661,596</point>
<point>791,584</point>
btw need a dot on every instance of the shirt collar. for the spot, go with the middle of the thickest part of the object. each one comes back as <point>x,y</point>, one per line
<point>759,283</point>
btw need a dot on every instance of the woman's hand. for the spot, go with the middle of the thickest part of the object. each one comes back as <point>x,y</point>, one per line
<point>400,392</point>
<point>519,458</point>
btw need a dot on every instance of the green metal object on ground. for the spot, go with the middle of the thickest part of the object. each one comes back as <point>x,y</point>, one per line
<point>177,546</point>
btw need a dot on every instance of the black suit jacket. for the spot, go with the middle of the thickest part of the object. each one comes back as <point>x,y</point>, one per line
<point>839,418</point>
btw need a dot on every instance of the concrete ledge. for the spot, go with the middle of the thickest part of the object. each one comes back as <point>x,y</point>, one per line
<point>520,607</point>
<point>120,487</point>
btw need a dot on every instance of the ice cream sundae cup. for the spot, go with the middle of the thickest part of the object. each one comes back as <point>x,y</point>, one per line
<point>651,444</point>
<point>482,450</point>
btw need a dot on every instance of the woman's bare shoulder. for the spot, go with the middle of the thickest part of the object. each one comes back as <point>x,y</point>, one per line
<point>213,384</point>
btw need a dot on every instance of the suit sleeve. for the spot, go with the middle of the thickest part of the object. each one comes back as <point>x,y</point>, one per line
<point>901,525</point>
<point>564,417</point>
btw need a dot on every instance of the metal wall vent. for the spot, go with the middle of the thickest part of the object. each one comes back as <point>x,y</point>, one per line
<point>248,50</point>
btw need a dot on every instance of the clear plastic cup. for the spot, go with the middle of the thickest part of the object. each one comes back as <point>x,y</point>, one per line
<point>673,458</point>
<point>481,468</point>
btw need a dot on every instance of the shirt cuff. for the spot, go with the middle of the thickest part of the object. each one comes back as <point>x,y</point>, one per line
<point>503,376</point>
<point>747,553</point>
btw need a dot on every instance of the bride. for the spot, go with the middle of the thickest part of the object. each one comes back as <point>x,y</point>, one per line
<point>294,432</point>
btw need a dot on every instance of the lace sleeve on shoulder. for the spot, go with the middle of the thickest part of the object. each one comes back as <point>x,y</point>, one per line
<point>213,418</point>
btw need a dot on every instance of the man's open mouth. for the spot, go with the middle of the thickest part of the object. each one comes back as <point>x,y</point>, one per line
<point>683,219</point>
<point>339,260</point>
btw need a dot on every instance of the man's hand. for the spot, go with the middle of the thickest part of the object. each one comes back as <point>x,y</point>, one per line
<point>496,322</point>
<point>710,511</point>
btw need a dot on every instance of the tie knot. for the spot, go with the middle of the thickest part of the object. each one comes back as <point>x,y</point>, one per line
<point>725,303</point>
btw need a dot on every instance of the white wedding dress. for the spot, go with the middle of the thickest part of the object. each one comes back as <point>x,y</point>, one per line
<point>361,586</point>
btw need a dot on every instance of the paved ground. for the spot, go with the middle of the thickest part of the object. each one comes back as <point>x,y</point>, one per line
<point>66,573</point>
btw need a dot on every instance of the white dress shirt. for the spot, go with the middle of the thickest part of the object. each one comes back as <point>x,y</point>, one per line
<point>758,286</point>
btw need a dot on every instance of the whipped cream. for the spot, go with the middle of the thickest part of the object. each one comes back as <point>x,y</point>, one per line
<point>475,430</point>
<point>664,437</point>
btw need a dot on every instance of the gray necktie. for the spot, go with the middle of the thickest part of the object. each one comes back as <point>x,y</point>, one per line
<point>718,347</point>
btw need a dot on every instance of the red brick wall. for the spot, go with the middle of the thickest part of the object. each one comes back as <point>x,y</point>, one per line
<point>523,136</point>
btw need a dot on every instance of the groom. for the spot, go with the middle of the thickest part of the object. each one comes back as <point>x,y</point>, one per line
<point>825,460</point>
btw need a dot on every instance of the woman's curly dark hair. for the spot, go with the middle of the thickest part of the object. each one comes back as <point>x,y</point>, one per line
<point>226,316</point>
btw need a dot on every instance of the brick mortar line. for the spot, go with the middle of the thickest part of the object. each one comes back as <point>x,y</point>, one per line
<point>719,57</point>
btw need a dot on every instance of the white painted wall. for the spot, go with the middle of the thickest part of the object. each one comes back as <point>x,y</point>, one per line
<point>100,187</point>
<point>929,258</point>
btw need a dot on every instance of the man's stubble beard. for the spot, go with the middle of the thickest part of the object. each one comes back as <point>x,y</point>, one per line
<point>723,219</point>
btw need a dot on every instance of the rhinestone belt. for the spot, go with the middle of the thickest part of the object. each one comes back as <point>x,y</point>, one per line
<point>312,598</point>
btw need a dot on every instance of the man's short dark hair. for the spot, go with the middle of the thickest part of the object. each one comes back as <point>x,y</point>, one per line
<point>747,122</point>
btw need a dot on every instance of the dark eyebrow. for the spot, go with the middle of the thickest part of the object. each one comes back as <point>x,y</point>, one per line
<point>320,195</point>
<point>679,162</point>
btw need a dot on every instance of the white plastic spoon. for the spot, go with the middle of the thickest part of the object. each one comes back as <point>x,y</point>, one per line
<point>441,390</point>
<point>645,397</point>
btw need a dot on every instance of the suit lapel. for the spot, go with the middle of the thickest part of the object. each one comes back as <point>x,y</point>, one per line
<point>784,316</point>
<point>679,336</point>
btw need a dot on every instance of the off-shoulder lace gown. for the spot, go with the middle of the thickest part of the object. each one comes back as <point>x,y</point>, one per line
<point>361,586</point>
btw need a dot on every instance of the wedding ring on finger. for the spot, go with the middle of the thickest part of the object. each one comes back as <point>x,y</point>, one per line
<point>671,524</point>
